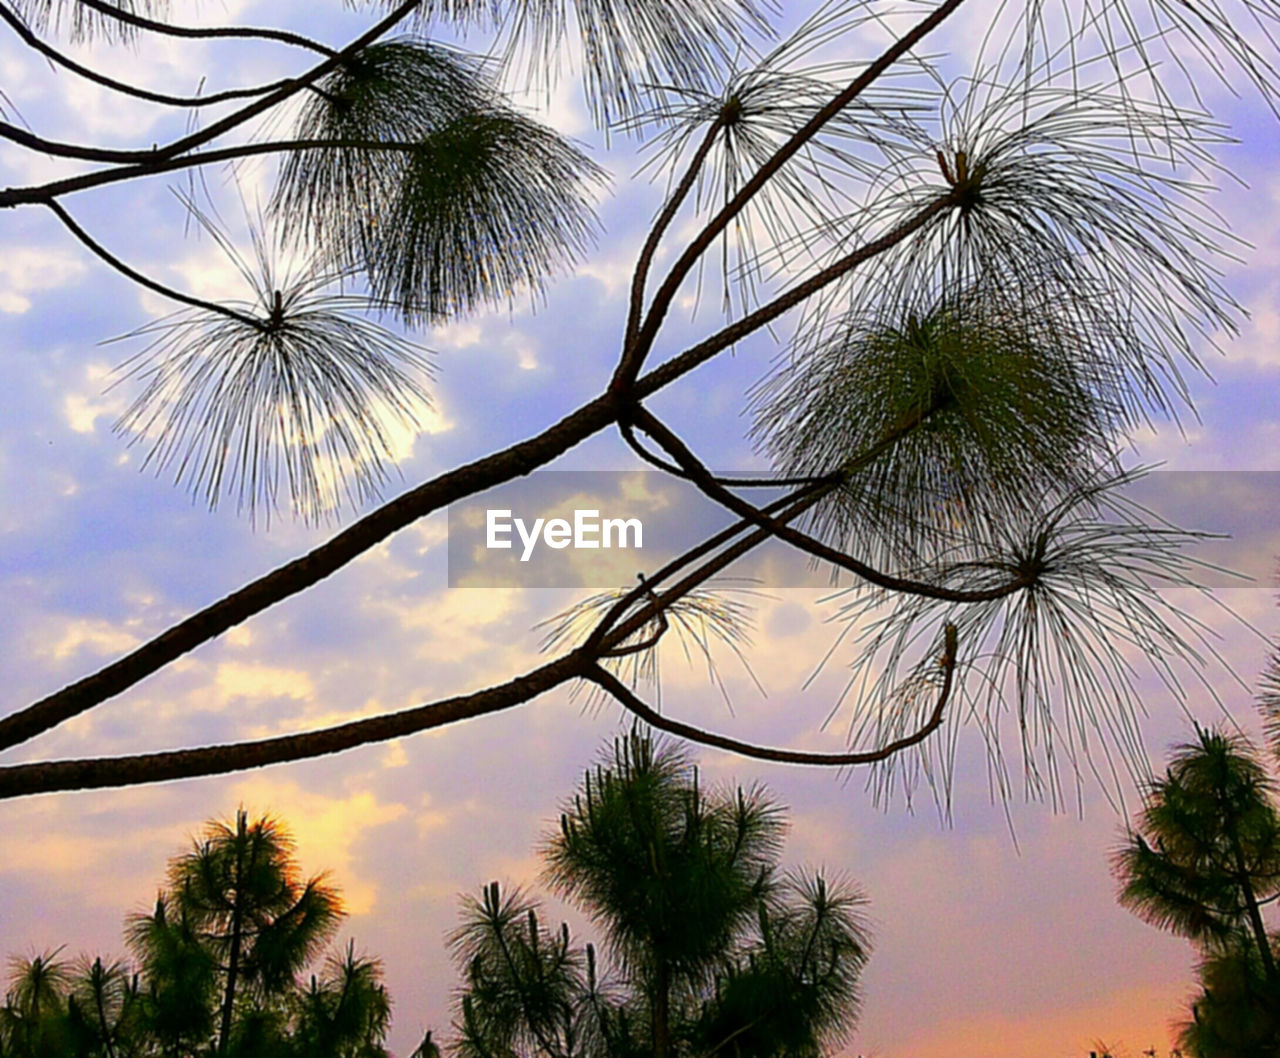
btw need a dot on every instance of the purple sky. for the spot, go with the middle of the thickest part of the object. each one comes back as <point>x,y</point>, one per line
<point>996,932</point>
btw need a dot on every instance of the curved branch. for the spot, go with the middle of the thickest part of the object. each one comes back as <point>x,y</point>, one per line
<point>260,106</point>
<point>629,435</point>
<point>281,36</point>
<point>301,573</point>
<point>705,481</point>
<point>665,217</point>
<point>628,649</point>
<point>66,62</point>
<point>696,355</point>
<point>800,501</point>
<point>176,295</point>
<point>147,163</point>
<point>33,142</point>
<point>22,780</point>
<point>627,698</point>
<point>637,351</point>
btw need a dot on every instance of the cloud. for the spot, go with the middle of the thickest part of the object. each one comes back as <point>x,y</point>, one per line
<point>95,636</point>
<point>327,829</point>
<point>26,270</point>
<point>236,679</point>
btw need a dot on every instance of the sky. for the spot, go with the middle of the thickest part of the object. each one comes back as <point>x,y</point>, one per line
<point>996,926</point>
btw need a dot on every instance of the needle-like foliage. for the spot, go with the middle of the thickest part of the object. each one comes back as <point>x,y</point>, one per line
<point>1203,861</point>
<point>797,991</point>
<point>1001,271</point>
<point>344,1009</point>
<point>699,621</point>
<point>84,22</point>
<point>469,203</point>
<point>1001,405</point>
<point>458,12</point>
<point>1058,659</point>
<point>759,107</point>
<point>1083,205</point>
<point>714,857</point>
<point>217,973</point>
<point>1206,851</point>
<point>295,398</point>
<point>627,49</point>
<point>713,951</point>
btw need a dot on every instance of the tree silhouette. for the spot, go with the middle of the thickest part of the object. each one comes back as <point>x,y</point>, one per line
<point>219,969</point>
<point>1203,863</point>
<point>993,280</point>
<point>713,950</point>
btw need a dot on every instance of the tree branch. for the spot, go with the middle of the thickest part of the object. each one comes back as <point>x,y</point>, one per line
<point>66,62</point>
<point>281,36</point>
<point>147,163</point>
<point>516,461</point>
<point>176,295</point>
<point>700,476</point>
<point>630,701</point>
<point>792,507</point>
<point>665,217</point>
<point>681,364</point>
<point>637,351</point>
<point>629,435</point>
<point>21,780</point>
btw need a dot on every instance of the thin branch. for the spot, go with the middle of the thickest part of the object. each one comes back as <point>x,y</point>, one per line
<point>158,160</point>
<point>608,682</point>
<point>176,295</point>
<point>22,780</point>
<point>637,351</point>
<point>665,217</point>
<point>628,649</point>
<point>282,36</point>
<point>54,55</point>
<point>699,354</point>
<point>148,163</point>
<point>301,573</point>
<point>703,478</point>
<point>629,435</point>
<point>795,504</point>
<point>704,572</point>
<point>30,140</point>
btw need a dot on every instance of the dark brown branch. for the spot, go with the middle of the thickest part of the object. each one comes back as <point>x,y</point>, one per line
<point>260,106</point>
<point>802,499</point>
<point>146,281</point>
<point>735,332</point>
<point>66,62</point>
<point>151,165</point>
<point>155,162</point>
<point>665,217</point>
<point>281,36</point>
<point>57,149</point>
<point>637,351</point>
<point>629,435</point>
<point>705,481</point>
<point>629,700</point>
<point>369,531</point>
<point>21,780</point>
<point>708,569</point>
<point>627,649</point>
<point>302,573</point>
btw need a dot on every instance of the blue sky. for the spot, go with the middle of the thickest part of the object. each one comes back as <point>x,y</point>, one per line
<point>1000,926</point>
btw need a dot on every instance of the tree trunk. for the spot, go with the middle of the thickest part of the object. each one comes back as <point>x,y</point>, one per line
<point>662,1011</point>
<point>1255,913</point>
<point>237,922</point>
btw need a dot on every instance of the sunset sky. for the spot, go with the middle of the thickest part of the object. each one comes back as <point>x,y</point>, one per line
<point>997,931</point>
